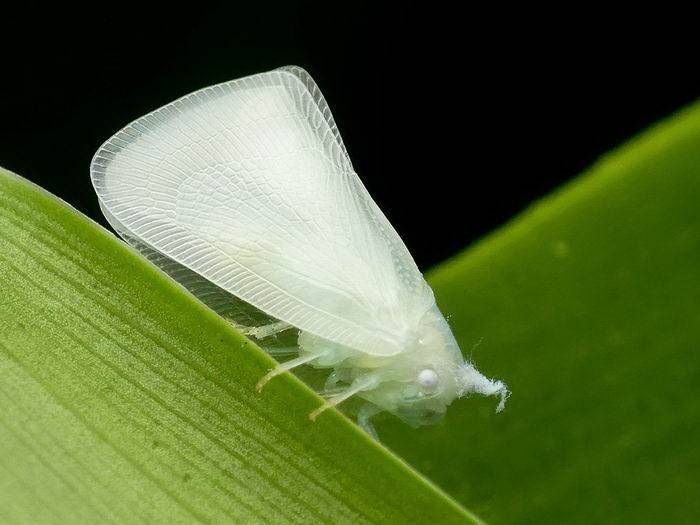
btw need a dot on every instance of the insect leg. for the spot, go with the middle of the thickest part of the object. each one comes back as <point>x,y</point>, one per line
<point>362,383</point>
<point>282,368</point>
<point>278,351</point>
<point>261,332</point>
<point>363,418</point>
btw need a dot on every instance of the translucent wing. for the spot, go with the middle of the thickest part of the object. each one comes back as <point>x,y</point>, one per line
<point>222,302</point>
<point>248,184</point>
<point>320,101</point>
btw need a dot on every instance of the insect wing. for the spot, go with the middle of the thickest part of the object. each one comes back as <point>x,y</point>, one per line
<point>248,184</point>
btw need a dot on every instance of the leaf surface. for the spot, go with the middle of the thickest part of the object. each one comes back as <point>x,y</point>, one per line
<point>124,399</point>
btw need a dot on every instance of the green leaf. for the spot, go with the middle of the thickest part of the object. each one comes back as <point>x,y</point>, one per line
<point>124,399</point>
<point>588,306</point>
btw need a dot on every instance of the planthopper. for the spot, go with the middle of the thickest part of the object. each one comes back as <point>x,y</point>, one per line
<point>245,194</point>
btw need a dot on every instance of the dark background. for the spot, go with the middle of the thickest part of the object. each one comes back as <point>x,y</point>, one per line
<point>454,119</point>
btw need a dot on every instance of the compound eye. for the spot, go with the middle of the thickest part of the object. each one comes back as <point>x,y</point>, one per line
<point>428,379</point>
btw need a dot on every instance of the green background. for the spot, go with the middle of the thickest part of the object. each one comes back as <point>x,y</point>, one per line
<point>588,306</point>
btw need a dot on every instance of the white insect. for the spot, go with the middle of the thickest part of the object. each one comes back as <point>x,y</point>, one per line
<point>245,191</point>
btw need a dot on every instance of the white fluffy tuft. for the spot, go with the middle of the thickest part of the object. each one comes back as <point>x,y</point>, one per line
<point>470,380</point>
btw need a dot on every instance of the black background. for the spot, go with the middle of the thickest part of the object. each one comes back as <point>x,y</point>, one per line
<point>455,119</point>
